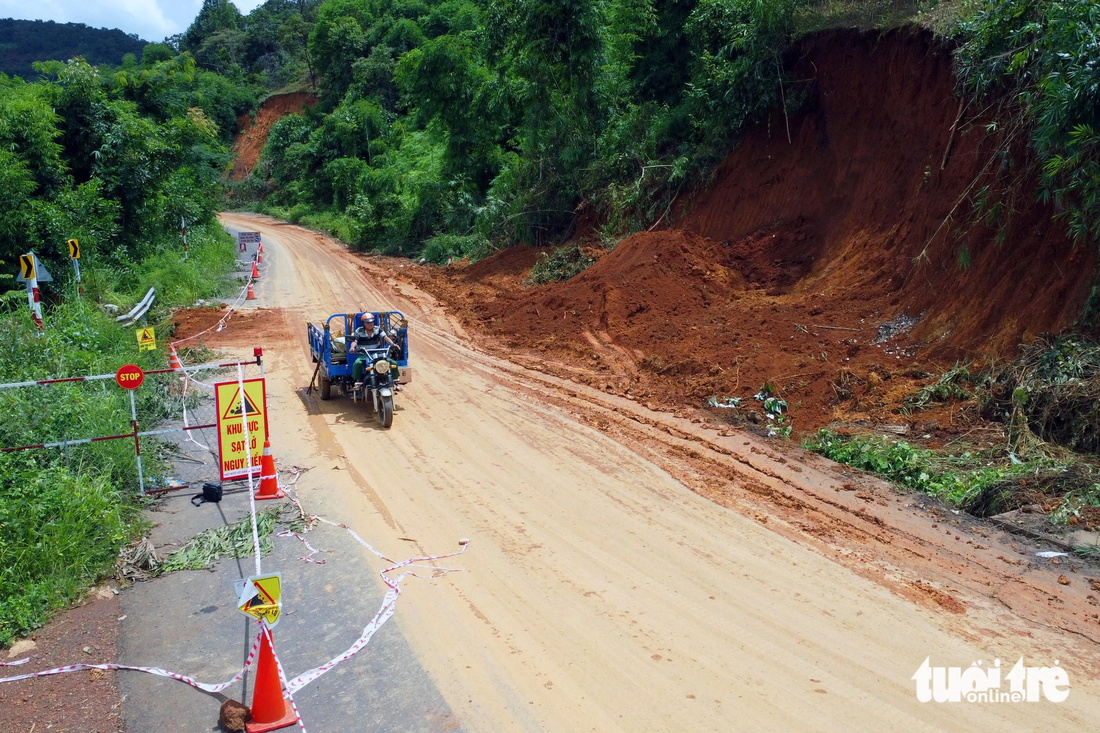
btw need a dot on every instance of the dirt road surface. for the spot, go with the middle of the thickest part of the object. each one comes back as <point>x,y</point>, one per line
<point>633,571</point>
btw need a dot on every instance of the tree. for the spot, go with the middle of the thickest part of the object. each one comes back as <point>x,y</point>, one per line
<point>294,35</point>
<point>215,16</point>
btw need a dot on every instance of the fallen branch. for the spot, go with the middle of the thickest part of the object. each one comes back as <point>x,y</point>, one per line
<point>954,129</point>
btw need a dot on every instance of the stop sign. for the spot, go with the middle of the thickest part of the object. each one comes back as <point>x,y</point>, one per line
<point>130,376</point>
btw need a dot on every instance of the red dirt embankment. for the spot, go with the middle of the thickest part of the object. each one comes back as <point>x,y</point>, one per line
<point>785,269</point>
<point>253,136</point>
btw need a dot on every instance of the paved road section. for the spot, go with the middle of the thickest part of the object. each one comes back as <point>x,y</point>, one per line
<point>599,592</point>
<point>187,622</point>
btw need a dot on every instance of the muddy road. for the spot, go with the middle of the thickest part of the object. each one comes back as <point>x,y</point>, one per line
<point>631,570</point>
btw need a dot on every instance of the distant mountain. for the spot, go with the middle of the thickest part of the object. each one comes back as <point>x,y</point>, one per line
<point>22,42</point>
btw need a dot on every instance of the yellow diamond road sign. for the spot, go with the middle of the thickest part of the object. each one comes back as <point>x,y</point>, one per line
<point>147,339</point>
<point>261,597</point>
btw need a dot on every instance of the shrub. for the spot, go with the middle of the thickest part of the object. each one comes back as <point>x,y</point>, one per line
<point>561,264</point>
<point>441,248</point>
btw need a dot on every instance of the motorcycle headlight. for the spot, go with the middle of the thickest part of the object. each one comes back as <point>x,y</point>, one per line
<point>382,366</point>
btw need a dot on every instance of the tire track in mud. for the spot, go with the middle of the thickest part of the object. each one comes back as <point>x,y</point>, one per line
<point>603,594</point>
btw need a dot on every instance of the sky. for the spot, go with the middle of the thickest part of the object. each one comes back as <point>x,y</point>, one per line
<point>152,20</point>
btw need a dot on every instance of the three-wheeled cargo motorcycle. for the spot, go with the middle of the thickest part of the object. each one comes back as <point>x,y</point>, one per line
<point>385,359</point>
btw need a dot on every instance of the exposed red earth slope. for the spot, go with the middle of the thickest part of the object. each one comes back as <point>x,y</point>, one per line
<point>253,136</point>
<point>784,269</point>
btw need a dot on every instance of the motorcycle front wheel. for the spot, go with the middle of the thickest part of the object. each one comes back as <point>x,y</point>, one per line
<point>385,410</point>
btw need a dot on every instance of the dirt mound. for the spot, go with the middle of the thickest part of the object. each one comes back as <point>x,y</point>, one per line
<point>874,193</point>
<point>253,136</point>
<point>259,324</point>
<point>827,266</point>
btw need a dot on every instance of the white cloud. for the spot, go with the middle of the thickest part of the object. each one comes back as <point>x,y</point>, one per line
<point>153,20</point>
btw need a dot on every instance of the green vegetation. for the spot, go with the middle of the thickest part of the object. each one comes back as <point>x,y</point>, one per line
<point>64,514</point>
<point>981,483</point>
<point>231,540</point>
<point>1050,393</point>
<point>114,159</point>
<point>948,387</point>
<point>60,530</point>
<point>560,264</point>
<point>22,42</point>
<point>478,119</point>
<point>493,121</point>
<point>447,128</point>
<point>1037,61</point>
<point>1048,400</point>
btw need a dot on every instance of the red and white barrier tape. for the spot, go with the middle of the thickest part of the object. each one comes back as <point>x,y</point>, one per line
<point>283,680</point>
<point>149,670</point>
<point>224,319</point>
<point>15,663</point>
<point>312,550</point>
<point>384,613</point>
<point>389,604</point>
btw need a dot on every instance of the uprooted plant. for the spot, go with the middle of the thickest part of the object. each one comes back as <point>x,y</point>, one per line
<point>1050,393</point>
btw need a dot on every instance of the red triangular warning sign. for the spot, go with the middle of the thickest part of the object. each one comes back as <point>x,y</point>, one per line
<point>234,409</point>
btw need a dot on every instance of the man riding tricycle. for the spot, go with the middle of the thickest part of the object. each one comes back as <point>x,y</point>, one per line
<point>365,355</point>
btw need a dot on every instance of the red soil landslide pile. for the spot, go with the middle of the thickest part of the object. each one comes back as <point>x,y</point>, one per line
<point>807,263</point>
<point>253,136</point>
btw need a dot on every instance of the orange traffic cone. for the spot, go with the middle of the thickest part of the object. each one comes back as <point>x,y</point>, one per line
<point>260,256</point>
<point>269,477</point>
<point>251,293</point>
<point>255,271</point>
<point>174,359</point>
<point>270,710</point>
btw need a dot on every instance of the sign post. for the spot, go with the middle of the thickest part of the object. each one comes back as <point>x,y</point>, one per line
<point>74,255</point>
<point>147,339</point>
<point>234,451</point>
<point>32,272</point>
<point>29,272</point>
<point>130,377</point>
<point>246,238</point>
<point>183,231</point>
<point>260,597</point>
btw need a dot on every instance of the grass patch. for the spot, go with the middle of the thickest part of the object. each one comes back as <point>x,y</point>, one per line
<point>979,483</point>
<point>60,531</point>
<point>66,514</point>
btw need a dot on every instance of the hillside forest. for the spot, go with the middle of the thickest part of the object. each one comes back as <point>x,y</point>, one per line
<point>22,42</point>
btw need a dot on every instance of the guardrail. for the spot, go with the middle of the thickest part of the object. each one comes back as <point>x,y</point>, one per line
<point>139,310</point>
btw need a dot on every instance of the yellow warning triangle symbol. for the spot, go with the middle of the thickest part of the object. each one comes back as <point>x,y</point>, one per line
<point>234,409</point>
<point>147,334</point>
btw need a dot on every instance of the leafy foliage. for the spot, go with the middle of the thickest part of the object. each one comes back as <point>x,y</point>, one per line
<point>961,480</point>
<point>1044,59</point>
<point>59,531</point>
<point>499,120</point>
<point>114,159</point>
<point>560,264</point>
<point>64,514</point>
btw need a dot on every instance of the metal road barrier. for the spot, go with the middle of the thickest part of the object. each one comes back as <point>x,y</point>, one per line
<point>176,434</point>
<point>139,310</point>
